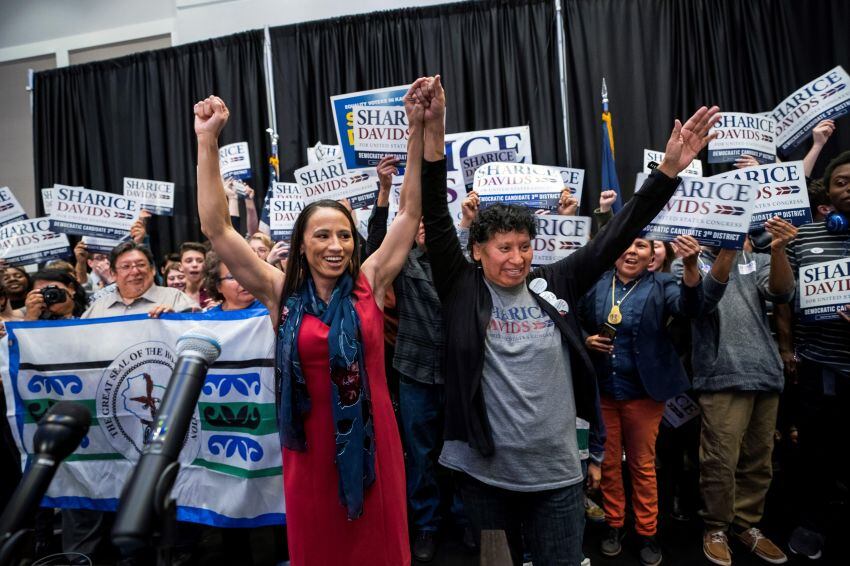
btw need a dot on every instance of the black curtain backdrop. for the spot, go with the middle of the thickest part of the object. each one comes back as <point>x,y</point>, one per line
<point>663,59</point>
<point>498,62</point>
<point>97,123</point>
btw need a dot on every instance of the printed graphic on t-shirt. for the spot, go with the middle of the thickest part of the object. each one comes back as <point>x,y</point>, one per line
<point>517,324</point>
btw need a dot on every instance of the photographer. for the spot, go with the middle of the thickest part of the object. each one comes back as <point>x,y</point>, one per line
<point>55,295</point>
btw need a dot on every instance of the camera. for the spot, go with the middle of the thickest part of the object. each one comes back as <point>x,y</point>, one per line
<point>53,294</point>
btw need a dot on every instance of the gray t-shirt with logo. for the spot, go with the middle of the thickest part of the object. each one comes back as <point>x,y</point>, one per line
<point>528,391</point>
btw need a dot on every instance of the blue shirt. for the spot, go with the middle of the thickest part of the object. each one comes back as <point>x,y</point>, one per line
<point>623,381</point>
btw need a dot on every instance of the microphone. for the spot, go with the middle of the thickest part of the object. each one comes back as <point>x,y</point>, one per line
<point>59,432</point>
<point>146,495</point>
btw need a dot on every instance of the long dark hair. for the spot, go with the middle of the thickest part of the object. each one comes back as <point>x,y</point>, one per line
<point>296,264</point>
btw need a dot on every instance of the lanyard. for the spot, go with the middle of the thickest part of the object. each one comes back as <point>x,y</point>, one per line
<point>614,315</point>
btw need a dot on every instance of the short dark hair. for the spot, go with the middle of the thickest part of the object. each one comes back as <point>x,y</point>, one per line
<point>61,276</point>
<point>211,264</point>
<point>501,218</point>
<point>126,247</point>
<point>842,159</point>
<point>818,196</point>
<point>192,247</point>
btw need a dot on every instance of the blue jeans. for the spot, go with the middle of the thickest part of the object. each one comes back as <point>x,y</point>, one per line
<point>421,415</point>
<point>551,521</point>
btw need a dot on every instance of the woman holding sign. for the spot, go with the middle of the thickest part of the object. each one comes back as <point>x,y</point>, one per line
<point>517,374</point>
<point>342,457</point>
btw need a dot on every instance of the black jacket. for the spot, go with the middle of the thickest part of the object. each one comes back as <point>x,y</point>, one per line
<point>467,303</point>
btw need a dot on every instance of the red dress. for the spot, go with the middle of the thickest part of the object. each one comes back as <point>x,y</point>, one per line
<point>318,529</point>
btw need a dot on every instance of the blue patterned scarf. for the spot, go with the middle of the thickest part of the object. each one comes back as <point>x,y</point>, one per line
<point>353,430</point>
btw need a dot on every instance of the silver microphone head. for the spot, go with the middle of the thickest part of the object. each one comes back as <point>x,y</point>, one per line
<point>201,342</point>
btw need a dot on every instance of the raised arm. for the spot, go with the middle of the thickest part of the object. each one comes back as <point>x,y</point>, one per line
<point>587,264</point>
<point>382,266</point>
<point>256,276</point>
<point>820,135</point>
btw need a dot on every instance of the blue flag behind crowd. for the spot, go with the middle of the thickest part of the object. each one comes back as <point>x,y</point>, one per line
<point>609,171</point>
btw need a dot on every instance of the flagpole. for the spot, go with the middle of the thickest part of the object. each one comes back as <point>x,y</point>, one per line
<point>269,75</point>
<point>565,115</point>
<point>604,96</point>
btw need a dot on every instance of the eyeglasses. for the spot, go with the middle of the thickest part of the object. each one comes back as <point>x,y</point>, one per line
<point>127,267</point>
<point>228,277</point>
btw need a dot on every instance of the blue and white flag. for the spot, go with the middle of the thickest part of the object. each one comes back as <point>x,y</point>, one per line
<point>119,368</point>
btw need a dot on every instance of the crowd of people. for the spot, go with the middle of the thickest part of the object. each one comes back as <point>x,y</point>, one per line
<point>431,375</point>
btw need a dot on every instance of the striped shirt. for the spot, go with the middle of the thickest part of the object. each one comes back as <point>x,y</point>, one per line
<point>825,342</point>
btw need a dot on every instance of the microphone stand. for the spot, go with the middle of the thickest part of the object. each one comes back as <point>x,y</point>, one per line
<point>165,509</point>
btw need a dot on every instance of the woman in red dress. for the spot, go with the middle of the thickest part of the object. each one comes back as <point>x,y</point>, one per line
<point>343,467</point>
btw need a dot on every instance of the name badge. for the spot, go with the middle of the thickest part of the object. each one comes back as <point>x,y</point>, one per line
<point>747,268</point>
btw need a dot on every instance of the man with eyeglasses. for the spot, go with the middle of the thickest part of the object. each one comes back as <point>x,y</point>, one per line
<point>132,266</point>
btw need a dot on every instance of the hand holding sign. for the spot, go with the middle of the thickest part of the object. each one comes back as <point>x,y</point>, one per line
<point>822,131</point>
<point>211,115</point>
<point>781,230</point>
<point>687,140</point>
<point>746,161</point>
<point>567,204</point>
<point>386,169</point>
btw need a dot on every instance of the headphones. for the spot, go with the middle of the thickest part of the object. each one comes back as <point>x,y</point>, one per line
<point>837,223</point>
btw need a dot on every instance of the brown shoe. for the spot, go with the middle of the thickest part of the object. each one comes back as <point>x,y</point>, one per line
<point>715,546</point>
<point>762,546</point>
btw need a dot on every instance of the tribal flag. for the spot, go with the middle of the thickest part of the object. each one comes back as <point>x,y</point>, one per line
<point>119,368</point>
<point>609,171</point>
<point>274,175</point>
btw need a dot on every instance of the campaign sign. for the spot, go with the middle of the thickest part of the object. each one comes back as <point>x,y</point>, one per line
<point>532,186</point>
<point>472,162</point>
<point>714,211</point>
<point>380,131</point>
<point>31,241</point>
<point>47,200</point>
<point>558,236</point>
<point>739,134</point>
<point>100,245</point>
<point>344,120</point>
<point>826,97</point>
<point>284,207</point>
<point>330,180</point>
<point>680,409</point>
<point>322,152</point>
<point>781,192</point>
<point>92,213</point>
<point>652,159</point>
<point>464,144</point>
<point>235,161</point>
<point>573,179</point>
<point>157,197</point>
<point>824,289</point>
<point>10,209</point>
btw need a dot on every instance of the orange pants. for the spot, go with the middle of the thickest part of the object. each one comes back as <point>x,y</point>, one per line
<point>633,425</point>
